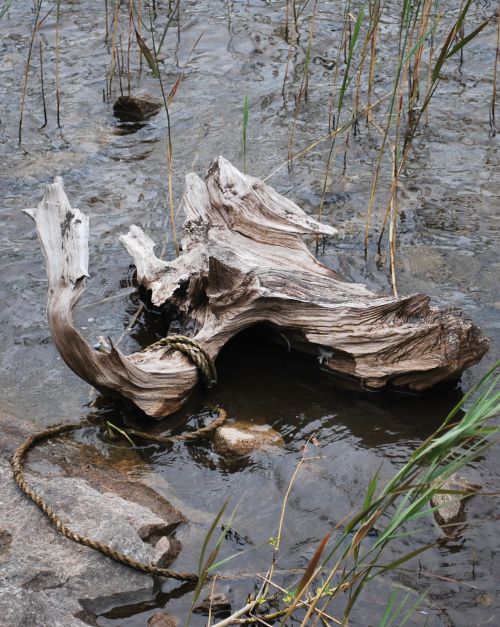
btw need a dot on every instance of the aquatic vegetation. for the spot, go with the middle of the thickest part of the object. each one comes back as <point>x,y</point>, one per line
<point>431,33</point>
<point>421,24</point>
<point>354,554</point>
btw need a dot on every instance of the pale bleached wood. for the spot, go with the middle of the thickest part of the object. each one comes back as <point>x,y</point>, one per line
<point>244,262</point>
<point>157,387</point>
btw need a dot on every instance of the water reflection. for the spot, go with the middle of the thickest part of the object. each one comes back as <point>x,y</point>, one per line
<point>447,245</point>
<point>355,435</point>
<point>128,128</point>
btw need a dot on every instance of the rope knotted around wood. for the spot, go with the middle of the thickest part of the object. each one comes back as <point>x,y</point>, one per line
<point>194,350</point>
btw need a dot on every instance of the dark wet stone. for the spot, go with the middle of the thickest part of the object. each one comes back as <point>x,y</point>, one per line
<point>214,603</point>
<point>135,108</point>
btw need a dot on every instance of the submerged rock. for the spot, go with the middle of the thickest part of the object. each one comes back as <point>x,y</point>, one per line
<point>45,579</point>
<point>449,514</point>
<point>214,603</point>
<point>135,108</point>
<point>160,619</point>
<point>241,438</point>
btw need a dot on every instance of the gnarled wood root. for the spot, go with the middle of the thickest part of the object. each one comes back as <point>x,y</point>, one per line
<point>244,262</point>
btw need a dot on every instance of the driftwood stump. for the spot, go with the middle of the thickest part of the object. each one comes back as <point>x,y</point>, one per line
<point>244,262</point>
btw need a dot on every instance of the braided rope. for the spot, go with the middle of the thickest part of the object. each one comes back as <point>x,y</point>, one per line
<point>17,463</point>
<point>194,350</point>
<point>186,437</point>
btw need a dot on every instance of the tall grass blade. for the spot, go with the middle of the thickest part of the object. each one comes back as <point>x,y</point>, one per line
<point>412,609</point>
<point>148,55</point>
<point>173,91</point>
<point>388,608</point>
<point>465,40</point>
<point>204,565</point>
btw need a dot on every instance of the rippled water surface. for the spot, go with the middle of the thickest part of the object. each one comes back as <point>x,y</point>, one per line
<point>448,239</point>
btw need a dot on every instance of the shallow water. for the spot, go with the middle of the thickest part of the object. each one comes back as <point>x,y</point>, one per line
<point>448,237</point>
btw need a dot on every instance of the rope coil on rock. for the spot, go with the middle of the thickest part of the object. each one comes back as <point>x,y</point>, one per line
<point>194,350</point>
<point>19,458</point>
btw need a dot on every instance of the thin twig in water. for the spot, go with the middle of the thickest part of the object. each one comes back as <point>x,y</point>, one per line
<point>209,619</point>
<point>131,324</point>
<point>109,298</point>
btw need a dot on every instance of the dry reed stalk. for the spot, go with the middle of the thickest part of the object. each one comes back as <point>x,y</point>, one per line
<point>27,67</point>
<point>414,83</point>
<point>119,63</point>
<point>303,90</point>
<point>106,25</point>
<point>114,49</point>
<point>493,126</point>
<point>129,43</point>
<point>42,86</point>
<point>139,30</point>
<point>58,63</point>
<point>375,17</point>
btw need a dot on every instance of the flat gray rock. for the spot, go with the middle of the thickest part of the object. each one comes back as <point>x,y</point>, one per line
<point>46,579</point>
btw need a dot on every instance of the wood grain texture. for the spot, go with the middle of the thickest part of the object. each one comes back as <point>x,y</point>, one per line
<point>244,262</point>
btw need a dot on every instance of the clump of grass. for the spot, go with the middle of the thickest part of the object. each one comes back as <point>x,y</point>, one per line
<point>149,37</point>
<point>129,21</point>
<point>405,498</point>
<point>206,561</point>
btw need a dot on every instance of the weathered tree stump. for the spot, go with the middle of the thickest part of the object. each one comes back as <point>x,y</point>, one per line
<point>244,262</point>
